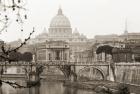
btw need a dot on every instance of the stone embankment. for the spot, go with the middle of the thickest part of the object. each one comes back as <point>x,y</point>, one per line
<point>103,87</point>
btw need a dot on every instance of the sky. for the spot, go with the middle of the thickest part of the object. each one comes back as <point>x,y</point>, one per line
<point>90,17</point>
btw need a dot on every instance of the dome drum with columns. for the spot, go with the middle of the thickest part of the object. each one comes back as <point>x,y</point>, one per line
<point>60,26</point>
<point>60,21</point>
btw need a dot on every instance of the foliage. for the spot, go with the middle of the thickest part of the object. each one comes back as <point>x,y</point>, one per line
<point>123,89</point>
<point>39,69</point>
<point>106,49</point>
<point>27,56</point>
<point>5,52</point>
<point>15,56</point>
<point>13,10</point>
<point>66,69</point>
<point>1,59</point>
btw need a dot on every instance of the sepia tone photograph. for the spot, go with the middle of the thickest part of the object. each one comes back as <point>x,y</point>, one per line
<point>69,46</point>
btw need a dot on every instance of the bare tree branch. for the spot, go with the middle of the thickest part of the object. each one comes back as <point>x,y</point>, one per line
<point>15,7</point>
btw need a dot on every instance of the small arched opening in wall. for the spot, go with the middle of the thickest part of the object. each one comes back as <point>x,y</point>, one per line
<point>90,74</point>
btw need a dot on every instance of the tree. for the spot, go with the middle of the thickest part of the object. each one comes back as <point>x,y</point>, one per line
<point>123,89</point>
<point>15,56</point>
<point>12,10</point>
<point>27,56</point>
<point>106,49</point>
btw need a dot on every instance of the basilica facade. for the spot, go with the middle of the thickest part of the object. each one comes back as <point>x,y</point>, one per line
<point>60,42</point>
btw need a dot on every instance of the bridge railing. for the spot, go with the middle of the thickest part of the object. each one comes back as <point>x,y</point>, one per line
<point>52,63</point>
<point>56,62</point>
<point>15,63</point>
<point>128,64</point>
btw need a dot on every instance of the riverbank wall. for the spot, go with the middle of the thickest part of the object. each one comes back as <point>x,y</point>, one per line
<point>105,87</point>
<point>79,85</point>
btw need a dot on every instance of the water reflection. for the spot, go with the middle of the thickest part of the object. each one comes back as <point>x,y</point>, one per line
<point>34,90</point>
<point>70,90</point>
<point>0,90</point>
<point>45,88</point>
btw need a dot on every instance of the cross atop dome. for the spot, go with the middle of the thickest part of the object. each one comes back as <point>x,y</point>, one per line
<point>60,11</point>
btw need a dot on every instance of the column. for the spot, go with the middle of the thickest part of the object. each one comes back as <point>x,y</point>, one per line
<point>133,57</point>
<point>90,73</point>
<point>53,55</point>
<point>62,54</point>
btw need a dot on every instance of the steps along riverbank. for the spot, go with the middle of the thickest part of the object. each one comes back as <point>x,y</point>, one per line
<point>105,87</point>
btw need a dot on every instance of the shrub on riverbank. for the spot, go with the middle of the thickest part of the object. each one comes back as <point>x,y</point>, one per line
<point>123,89</point>
<point>0,83</point>
<point>103,90</point>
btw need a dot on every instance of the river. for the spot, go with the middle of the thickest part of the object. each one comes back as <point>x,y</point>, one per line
<point>45,88</point>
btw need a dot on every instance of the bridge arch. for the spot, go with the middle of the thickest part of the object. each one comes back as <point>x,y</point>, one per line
<point>64,70</point>
<point>52,69</point>
<point>91,69</point>
<point>52,73</point>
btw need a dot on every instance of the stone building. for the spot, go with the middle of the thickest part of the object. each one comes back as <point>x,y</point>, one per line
<point>53,50</point>
<point>60,42</point>
<point>131,53</point>
<point>105,38</point>
<point>118,40</point>
<point>122,55</point>
<point>126,46</point>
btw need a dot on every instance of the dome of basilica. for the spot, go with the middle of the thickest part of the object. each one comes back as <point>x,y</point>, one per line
<point>60,20</point>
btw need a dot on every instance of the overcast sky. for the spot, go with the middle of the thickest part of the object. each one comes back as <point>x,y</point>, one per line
<point>90,17</point>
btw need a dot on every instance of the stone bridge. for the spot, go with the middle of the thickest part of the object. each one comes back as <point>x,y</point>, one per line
<point>121,72</point>
<point>71,70</point>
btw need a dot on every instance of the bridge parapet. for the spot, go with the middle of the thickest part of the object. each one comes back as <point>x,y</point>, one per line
<point>128,64</point>
<point>15,63</point>
<point>55,63</point>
